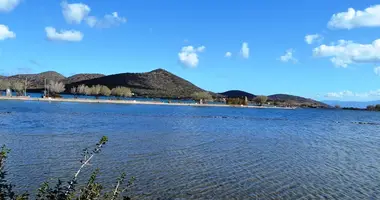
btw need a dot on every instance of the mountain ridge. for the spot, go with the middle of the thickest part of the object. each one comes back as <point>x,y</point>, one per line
<point>155,83</point>
<point>237,94</point>
<point>158,83</point>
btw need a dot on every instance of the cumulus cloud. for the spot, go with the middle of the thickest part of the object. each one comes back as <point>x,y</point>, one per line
<point>310,39</point>
<point>75,13</point>
<point>63,35</point>
<point>370,17</point>
<point>8,5</point>
<point>228,54</point>
<point>288,56</point>
<point>244,50</point>
<point>188,55</point>
<point>345,52</point>
<point>107,21</point>
<point>5,33</point>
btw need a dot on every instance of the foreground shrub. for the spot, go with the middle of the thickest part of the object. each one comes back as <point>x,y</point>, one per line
<point>69,191</point>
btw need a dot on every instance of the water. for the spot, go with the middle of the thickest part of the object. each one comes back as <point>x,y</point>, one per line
<point>197,152</point>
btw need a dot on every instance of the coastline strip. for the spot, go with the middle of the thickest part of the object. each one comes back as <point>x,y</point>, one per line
<point>133,102</point>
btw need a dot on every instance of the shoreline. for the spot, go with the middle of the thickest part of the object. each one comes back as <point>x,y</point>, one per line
<point>131,102</point>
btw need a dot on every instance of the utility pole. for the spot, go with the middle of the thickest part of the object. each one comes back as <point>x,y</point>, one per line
<point>26,83</point>
<point>45,93</point>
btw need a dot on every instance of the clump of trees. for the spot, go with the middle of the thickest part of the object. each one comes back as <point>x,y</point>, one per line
<point>18,87</point>
<point>55,88</point>
<point>74,91</point>
<point>201,96</point>
<point>121,92</point>
<point>260,100</point>
<point>69,191</point>
<point>4,85</point>
<point>237,101</point>
<point>105,91</point>
<point>101,90</point>
<point>95,90</point>
<point>373,107</point>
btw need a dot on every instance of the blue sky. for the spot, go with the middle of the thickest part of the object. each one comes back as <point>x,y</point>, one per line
<point>191,39</point>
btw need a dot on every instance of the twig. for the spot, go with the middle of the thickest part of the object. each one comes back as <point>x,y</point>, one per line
<point>103,140</point>
<point>116,188</point>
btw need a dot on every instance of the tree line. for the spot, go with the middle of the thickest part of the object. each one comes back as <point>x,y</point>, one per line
<point>55,88</point>
<point>18,87</point>
<point>373,107</point>
<point>206,96</point>
<point>101,90</point>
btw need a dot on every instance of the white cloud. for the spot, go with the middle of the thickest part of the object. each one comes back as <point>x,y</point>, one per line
<point>288,56</point>
<point>189,55</point>
<point>244,50</point>
<point>63,35</point>
<point>228,54</point>
<point>201,49</point>
<point>107,21</point>
<point>91,21</point>
<point>310,39</point>
<point>75,13</point>
<point>8,5</point>
<point>5,33</point>
<point>377,70</point>
<point>372,93</point>
<point>347,93</point>
<point>347,52</point>
<point>370,17</point>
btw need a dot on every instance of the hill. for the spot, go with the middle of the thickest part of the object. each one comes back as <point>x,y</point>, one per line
<point>297,100</point>
<point>237,94</point>
<point>157,83</point>
<point>81,77</point>
<point>37,80</point>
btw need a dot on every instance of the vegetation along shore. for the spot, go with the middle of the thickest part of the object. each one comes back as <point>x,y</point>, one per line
<point>156,84</point>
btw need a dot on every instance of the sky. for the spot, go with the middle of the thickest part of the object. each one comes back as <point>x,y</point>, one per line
<point>316,49</point>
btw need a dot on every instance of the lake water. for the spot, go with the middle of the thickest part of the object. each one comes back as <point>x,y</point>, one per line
<point>198,152</point>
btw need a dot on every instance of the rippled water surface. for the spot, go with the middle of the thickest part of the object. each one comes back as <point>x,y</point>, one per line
<point>198,153</point>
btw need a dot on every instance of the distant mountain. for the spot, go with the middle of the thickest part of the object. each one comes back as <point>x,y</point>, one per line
<point>36,80</point>
<point>237,94</point>
<point>81,77</point>
<point>285,98</point>
<point>157,83</point>
<point>297,100</point>
<point>354,104</point>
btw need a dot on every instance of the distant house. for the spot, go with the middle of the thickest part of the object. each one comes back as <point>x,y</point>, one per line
<point>8,92</point>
